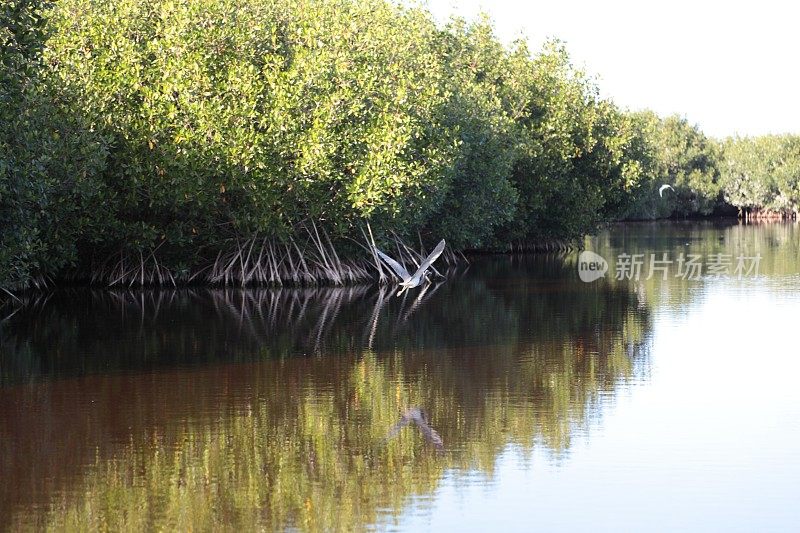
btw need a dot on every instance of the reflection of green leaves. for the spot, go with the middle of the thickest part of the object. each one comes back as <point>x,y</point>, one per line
<point>778,246</point>
<point>101,331</point>
<point>302,441</point>
<point>317,459</point>
<point>289,459</point>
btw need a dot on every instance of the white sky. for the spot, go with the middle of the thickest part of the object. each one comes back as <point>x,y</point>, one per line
<point>731,67</point>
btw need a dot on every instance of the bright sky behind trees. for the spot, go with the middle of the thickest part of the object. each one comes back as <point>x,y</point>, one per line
<point>731,67</point>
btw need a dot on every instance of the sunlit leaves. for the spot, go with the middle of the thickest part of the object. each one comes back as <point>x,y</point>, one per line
<point>763,173</point>
<point>195,123</point>
<point>672,151</point>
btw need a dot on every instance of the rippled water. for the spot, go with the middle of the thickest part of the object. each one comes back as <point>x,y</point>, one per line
<point>617,404</point>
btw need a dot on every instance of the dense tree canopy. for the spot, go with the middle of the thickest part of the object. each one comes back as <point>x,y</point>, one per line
<point>172,130</point>
<point>46,157</point>
<point>674,152</point>
<point>763,173</point>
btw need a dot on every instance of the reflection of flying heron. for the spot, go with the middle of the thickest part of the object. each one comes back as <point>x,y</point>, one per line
<point>409,281</point>
<point>418,416</point>
<point>664,188</point>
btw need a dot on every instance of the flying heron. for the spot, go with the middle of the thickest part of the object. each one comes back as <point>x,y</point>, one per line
<point>409,281</point>
<point>664,188</point>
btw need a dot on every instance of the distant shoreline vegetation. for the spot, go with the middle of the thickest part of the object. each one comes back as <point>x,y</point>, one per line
<point>157,137</point>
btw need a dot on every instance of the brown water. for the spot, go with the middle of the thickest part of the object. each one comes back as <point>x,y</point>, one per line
<point>617,404</point>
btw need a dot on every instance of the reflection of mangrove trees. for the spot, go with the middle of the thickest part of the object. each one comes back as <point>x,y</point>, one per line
<point>81,331</point>
<point>274,440</point>
<point>776,245</point>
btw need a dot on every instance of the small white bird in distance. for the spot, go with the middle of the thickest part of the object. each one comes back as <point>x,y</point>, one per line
<point>664,188</point>
<point>409,281</point>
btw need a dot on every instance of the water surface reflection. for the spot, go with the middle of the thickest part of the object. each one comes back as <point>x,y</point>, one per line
<point>260,408</point>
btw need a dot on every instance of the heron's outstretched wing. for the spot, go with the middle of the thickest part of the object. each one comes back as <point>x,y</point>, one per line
<point>430,259</point>
<point>404,421</point>
<point>430,434</point>
<point>397,267</point>
<point>416,415</point>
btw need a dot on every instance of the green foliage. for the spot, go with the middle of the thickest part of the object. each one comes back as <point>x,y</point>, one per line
<point>571,172</point>
<point>231,118</point>
<point>674,152</point>
<point>171,130</point>
<point>48,157</point>
<point>763,173</point>
<point>480,110</point>
<point>20,42</point>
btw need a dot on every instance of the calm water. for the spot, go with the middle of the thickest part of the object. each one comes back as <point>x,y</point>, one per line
<point>617,404</point>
